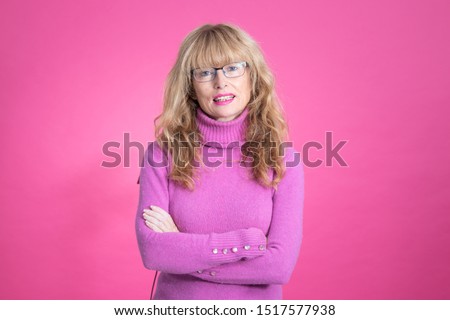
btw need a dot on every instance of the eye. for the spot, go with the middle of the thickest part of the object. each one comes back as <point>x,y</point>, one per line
<point>205,73</point>
<point>232,68</point>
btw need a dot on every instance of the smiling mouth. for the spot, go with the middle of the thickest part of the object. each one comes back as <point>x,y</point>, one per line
<point>224,98</point>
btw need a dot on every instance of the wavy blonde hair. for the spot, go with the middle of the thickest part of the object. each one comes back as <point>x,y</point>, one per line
<point>217,45</point>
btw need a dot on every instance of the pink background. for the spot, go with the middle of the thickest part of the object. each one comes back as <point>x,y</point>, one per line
<point>77,74</point>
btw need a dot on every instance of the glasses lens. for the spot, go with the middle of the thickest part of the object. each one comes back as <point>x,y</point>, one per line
<point>204,74</point>
<point>234,69</point>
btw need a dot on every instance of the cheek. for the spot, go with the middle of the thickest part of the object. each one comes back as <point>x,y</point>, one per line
<point>204,100</point>
<point>201,94</point>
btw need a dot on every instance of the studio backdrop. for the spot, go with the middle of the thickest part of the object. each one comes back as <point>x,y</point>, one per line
<point>364,85</point>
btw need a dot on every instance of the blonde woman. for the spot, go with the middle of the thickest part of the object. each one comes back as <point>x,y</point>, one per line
<point>221,196</point>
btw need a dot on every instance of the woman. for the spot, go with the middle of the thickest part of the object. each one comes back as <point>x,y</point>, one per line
<point>221,199</point>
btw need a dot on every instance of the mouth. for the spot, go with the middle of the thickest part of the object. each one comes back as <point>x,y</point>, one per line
<point>225,98</point>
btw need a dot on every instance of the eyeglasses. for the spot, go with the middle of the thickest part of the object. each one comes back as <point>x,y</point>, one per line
<point>232,70</point>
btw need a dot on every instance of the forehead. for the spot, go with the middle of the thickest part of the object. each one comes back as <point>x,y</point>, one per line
<point>216,53</point>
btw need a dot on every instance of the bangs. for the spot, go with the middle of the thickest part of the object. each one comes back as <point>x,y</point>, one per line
<point>216,49</point>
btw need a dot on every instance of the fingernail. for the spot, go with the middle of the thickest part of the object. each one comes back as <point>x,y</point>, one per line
<point>147,210</point>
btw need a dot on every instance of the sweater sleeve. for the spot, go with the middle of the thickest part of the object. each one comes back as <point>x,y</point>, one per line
<point>284,238</point>
<point>177,252</point>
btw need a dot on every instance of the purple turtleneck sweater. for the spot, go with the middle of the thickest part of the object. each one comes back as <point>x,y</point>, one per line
<point>237,239</point>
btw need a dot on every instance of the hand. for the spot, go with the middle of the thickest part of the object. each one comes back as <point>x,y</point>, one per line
<point>159,220</point>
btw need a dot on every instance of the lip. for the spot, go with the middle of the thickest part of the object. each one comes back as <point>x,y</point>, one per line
<point>224,94</point>
<point>222,103</point>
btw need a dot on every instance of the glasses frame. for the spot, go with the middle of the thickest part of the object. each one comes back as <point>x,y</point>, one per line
<point>244,63</point>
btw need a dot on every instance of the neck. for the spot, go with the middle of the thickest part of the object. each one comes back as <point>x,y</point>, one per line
<point>222,134</point>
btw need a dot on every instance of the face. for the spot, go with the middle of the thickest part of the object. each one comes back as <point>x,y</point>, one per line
<point>224,109</point>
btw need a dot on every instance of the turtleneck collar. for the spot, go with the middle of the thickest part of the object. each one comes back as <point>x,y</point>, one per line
<point>223,132</point>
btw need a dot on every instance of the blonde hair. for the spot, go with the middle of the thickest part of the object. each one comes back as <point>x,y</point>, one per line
<point>217,45</point>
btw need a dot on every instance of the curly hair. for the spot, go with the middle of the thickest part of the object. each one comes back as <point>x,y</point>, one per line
<point>211,45</point>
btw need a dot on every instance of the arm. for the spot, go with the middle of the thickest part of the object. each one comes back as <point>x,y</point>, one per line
<point>284,238</point>
<point>176,252</point>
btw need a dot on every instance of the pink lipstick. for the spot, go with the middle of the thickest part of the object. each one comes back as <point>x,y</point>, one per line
<point>223,99</point>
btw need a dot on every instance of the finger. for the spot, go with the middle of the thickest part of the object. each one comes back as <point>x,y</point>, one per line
<point>157,215</point>
<point>167,223</point>
<point>166,220</point>
<point>156,222</point>
<point>153,227</point>
<point>160,210</point>
<point>152,217</point>
<point>148,216</point>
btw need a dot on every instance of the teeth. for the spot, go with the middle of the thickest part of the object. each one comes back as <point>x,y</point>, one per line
<point>224,98</point>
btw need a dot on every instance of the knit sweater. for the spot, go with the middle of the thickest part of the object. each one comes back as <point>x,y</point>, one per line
<point>237,239</point>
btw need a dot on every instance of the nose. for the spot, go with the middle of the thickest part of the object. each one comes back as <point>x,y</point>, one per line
<point>220,80</point>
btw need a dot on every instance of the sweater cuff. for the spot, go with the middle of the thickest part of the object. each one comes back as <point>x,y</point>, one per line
<point>236,245</point>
